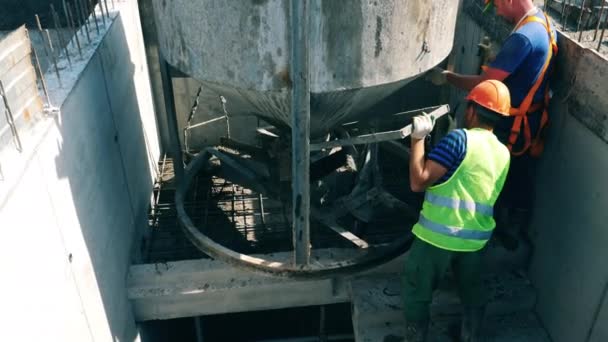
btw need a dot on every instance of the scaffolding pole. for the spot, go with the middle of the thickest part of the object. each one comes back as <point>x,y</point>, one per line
<point>300,137</point>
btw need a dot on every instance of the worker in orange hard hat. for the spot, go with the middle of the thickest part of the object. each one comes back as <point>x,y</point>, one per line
<point>462,176</point>
<point>524,63</point>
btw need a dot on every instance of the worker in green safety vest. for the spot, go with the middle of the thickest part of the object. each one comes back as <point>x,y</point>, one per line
<point>462,176</point>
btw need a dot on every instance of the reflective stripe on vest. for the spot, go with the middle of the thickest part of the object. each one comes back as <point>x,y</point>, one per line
<point>457,204</point>
<point>463,233</point>
<point>457,214</point>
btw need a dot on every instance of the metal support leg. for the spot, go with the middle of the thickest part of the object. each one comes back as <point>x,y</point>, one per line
<point>175,148</point>
<point>300,137</point>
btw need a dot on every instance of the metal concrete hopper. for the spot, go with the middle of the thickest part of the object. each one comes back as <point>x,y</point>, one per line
<point>360,51</point>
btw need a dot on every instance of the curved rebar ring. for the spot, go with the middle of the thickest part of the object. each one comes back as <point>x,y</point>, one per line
<point>374,256</point>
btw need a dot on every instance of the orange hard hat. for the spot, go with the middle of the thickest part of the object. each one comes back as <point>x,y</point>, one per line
<point>493,95</point>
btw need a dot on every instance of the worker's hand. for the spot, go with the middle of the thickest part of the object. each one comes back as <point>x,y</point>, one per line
<point>422,125</point>
<point>437,76</point>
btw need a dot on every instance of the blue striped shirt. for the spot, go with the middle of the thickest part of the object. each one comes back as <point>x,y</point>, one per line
<point>450,152</point>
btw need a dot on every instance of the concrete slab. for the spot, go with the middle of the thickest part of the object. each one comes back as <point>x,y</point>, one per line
<point>207,287</point>
<point>378,310</point>
<point>379,297</point>
<point>512,328</point>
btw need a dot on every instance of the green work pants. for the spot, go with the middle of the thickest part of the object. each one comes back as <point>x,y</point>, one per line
<point>425,267</point>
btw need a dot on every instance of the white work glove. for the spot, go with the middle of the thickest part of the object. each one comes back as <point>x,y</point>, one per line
<point>437,76</point>
<point>422,125</point>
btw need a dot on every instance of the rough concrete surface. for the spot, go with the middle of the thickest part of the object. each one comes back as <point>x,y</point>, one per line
<point>378,310</point>
<point>206,287</point>
<point>390,43</point>
<point>78,196</point>
<point>568,266</point>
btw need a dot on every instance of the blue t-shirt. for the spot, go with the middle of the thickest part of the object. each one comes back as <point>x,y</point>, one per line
<point>450,152</point>
<point>523,56</point>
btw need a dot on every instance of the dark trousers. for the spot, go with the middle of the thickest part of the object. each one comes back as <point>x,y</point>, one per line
<point>518,192</point>
<point>425,267</point>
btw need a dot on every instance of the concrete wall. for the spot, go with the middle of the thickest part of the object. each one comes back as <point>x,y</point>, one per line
<point>73,204</point>
<point>569,265</point>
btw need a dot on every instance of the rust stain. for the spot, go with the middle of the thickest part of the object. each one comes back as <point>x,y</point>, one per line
<point>285,77</point>
<point>26,115</point>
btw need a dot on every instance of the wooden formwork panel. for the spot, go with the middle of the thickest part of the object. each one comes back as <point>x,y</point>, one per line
<point>19,80</point>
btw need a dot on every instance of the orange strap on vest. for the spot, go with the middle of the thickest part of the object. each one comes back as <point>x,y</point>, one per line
<point>535,146</point>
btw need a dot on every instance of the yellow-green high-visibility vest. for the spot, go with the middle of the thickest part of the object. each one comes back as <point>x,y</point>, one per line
<point>457,215</point>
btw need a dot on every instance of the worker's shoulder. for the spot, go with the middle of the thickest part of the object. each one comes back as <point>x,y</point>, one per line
<point>534,32</point>
<point>456,136</point>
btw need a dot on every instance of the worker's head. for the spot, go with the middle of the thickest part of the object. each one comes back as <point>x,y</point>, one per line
<point>487,103</point>
<point>511,10</point>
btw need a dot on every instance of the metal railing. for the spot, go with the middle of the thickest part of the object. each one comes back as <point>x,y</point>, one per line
<point>585,20</point>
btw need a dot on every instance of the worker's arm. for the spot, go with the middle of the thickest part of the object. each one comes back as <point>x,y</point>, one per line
<point>423,173</point>
<point>512,55</point>
<point>468,82</point>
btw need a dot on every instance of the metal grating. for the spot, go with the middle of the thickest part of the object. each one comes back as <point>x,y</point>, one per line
<point>250,223</point>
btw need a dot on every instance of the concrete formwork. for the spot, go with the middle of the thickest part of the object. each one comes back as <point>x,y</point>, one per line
<point>73,205</point>
<point>570,211</point>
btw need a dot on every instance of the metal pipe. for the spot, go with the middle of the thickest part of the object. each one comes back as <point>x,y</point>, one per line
<point>53,56</point>
<point>103,15</point>
<point>322,332</point>
<point>599,44</point>
<point>105,3</point>
<point>580,19</point>
<point>92,7</point>
<point>198,328</point>
<point>223,103</point>
<point>68,16</point>
<point>376,137</point>
<point>300,136</point>
<point>176,150</point>
<point>261,201</point>
<point>42,80</point>
<point>589,17</point>
<point>83,19</point>
<point>10,119</point>
<point>562,14</point>
<point>597,311</point>
<point>62,42</point>
<point>599,21</point>
<point>46,49</point>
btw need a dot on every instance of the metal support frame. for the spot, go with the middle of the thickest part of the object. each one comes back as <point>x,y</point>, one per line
<point>368,256</point>
<point>300,137</point>
<point>364,261</point>
<point>170,109</point>
<point>376,137</point>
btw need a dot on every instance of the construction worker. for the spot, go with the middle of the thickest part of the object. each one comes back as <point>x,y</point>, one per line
<point>463,177</point>
<point>524,64</point>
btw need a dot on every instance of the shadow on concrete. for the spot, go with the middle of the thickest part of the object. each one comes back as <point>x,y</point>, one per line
<point>105,156</point>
